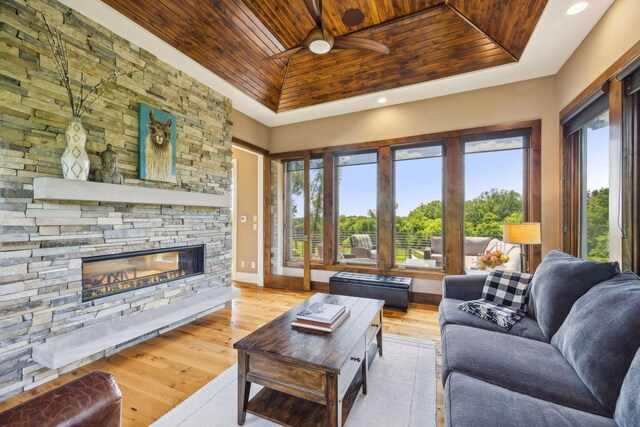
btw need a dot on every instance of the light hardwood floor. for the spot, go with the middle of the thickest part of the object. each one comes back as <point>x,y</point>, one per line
<point>158,374</point>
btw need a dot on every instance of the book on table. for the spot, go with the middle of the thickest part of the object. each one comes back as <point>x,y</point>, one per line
<point>321,313</point>
<point>319,326</point>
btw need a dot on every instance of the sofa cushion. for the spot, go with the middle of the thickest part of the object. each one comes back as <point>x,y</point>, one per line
<point>472,402</point>
<point>450,314</point>
<point>518,364</point>
<point>602,335</point>
<point>628,406</point>
<point>475,245</point>
<point>558,283</point>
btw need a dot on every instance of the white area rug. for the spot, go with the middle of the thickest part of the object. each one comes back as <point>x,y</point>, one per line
<point>401,392</point>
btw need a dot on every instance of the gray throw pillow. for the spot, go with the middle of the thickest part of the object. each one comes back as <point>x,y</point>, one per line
<point>558,282</point>
<point>602,335</point>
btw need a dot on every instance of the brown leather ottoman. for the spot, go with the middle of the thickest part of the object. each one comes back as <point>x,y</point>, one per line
<point>91,400</point>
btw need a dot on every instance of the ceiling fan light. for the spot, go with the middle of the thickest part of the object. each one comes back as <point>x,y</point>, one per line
<point>320,46</point>
<point>577,8</point>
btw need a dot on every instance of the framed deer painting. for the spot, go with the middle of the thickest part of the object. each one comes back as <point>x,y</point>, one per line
<point>157,145</point>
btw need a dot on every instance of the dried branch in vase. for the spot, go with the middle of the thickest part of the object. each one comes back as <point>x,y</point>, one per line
<point>80,102</point>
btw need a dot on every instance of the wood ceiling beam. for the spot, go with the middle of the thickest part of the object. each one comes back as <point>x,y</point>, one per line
<point>477,28</point>
<point>284,82</point>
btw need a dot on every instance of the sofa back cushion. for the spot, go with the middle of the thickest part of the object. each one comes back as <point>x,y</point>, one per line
<point>436,245</point>
<point>601,335</point>
<point>361,241</point>
<point>476,245</point>
<point>558,282</point>
<point>628,406</point>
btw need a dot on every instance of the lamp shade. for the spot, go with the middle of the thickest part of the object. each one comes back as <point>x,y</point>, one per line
<point>524,233</point>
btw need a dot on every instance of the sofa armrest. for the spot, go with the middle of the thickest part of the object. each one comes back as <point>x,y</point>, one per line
<point>463,287</point>
<point>361,252</point>
<point>91,400</point>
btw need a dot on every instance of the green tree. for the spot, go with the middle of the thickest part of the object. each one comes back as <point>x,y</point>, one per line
<point>485,214</point>
<point>598,225</point>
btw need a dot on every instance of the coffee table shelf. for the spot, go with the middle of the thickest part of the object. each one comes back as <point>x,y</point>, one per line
<point>292,411</point>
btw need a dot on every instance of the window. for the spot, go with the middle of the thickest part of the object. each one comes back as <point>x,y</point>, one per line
<point>392,205</point>
<point>275,215</point>
<point>357,202</point>
<point>418,228</point>
<point>494,170</point>
<point>293,211</point>
<point>592,183</point>
<point>316,215</point>
<point>594,200</point>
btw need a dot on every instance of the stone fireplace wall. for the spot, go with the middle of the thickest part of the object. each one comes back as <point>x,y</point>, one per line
<point>42,243</point>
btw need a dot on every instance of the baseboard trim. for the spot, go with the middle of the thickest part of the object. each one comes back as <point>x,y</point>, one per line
<point>248,278</point>
<point>425,298</point>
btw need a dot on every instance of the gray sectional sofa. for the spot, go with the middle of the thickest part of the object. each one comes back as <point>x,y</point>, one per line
<point>574,360</point>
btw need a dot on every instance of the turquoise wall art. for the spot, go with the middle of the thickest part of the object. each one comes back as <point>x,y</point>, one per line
<point>157,145</point>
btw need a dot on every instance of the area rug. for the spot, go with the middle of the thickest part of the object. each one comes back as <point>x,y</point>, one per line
<point>401,392</point>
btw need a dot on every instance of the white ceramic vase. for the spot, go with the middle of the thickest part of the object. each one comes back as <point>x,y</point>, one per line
<point>75,162</point>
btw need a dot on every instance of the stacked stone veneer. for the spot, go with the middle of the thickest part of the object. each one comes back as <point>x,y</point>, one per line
<point>43,243</point>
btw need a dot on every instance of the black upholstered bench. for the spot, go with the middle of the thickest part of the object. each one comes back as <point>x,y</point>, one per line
<point>394,290</point>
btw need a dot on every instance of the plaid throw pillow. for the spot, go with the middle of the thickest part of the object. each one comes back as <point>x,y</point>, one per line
<point>502,316</point>
<point>507,288</point>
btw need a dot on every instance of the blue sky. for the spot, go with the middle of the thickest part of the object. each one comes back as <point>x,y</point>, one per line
<point>420,181</point>
<point>597,158</point>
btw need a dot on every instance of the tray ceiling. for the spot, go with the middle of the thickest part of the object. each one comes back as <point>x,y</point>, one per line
<point>428,39</point>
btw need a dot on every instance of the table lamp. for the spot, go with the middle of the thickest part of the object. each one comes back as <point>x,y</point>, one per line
<point>524,233</point>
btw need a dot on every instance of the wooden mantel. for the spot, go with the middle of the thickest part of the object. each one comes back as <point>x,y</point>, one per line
<point>85,191</point>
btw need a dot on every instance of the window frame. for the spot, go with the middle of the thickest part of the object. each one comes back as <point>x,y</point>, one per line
<point>453,202</point>
<point>528,198</point>
<point>573,170</point>
<point>286,261</point>
<point>427,143</point>
<point>336,205</point>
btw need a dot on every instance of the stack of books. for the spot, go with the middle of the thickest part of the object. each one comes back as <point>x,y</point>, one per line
<point>321,317</point>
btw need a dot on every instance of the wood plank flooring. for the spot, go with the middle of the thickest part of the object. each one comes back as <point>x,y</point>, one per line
<point>158,374</point>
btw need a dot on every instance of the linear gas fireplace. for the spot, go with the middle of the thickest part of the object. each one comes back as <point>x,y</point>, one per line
<point>112,274</point>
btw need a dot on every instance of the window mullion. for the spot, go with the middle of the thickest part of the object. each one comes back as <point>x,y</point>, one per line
<point>385,211</point>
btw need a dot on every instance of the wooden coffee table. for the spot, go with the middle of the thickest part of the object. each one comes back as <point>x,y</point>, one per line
<point>309,379</point>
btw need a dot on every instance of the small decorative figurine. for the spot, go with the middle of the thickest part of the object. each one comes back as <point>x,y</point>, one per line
<point>109,172</point>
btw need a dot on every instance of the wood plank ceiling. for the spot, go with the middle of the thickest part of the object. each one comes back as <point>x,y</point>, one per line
<point>428,39</point>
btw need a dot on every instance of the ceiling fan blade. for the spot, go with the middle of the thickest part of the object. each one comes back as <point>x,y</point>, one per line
<point>360,44</point>
<point>315,10</point>
<point>287,53</point>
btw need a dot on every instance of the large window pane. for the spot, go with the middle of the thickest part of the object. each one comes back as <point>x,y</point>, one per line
<point>275,216</point>
<point>418,206</point>
<point>494,189</point>
<point>357,202</point>
<point>316,216</point>
<point>293,211</point>
<point>594,241</point>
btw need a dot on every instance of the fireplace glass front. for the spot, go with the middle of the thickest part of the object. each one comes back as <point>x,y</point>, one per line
<point>111,274</point>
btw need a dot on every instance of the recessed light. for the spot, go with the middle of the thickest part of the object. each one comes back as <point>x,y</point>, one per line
<point>577,8</point>
<point>382,100</point>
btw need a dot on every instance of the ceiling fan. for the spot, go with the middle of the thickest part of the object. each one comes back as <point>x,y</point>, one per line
<point>321,41</point>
